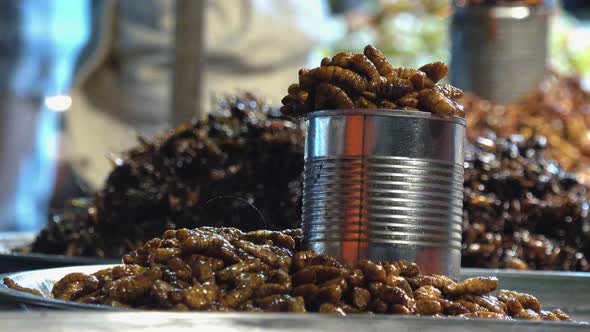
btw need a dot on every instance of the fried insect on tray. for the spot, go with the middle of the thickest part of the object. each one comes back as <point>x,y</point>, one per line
<point>367,80</point>
<point>208,172</point>
<point>521,211</point>
<point>225,269</point>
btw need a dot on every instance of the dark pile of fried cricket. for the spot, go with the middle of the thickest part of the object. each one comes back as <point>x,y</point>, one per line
<point>225,269</point>
<point>521,210</point>
<point>353,81</point>
<point>244,149</point>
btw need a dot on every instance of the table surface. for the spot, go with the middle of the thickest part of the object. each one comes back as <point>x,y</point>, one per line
<point>52,321</point>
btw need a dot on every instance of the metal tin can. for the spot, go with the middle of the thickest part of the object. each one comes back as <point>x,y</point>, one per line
<point>498,52</point>
<point>385,185</point>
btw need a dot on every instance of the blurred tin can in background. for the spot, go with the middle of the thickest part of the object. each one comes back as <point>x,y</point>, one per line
<point>499,52</point>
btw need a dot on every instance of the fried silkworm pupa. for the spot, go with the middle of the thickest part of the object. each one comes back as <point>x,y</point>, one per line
<point>411,100</point>
<point>300,96</point>
<point>528,314</point>
<point>421,81</point>
<point>393,295</point>
<point>391,89</point>
<point>271,289</point>
<point>277,302</point>
<point>325,260</point>
<point>434,280</point>
<point>526,300</point>
<point>401,268</point>
<point>385,104</point>
<point>74,285</point>
<point>436,71</point>
<point>378,306</point>
<point>307,291</point>
<point>330,293</point>
<point>372,272</point>
<point>378,58</point>
<point>128,289</point>
<point>477,285</point>
<point>401,282</point>
<point>360,297</point>
<point>356,278</point>
<point>330,96</point>
<point>487,302</point>
<point>193,245</point>
<point>237,296</point>
<point>437,103</point>
<point>449,91</point>
<point>302,259</point>
<point>278,238</point>
<point>232,272</point>
<point>358,62</point>
<point>513,307</point>
<point>13,285</point>
<point>400,309</point>
<point>341,59</point>
<point>335,75</point>
<point>427,292</point>
<point>561,315</point>
<point>362,102</point>
<point>258,251</point>
<point>428,307</point>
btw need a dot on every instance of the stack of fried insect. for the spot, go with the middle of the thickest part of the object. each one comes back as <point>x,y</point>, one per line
<point>520,210</point>
<point>357,81</point>
<point>244,149</point>
<point>225,269</point>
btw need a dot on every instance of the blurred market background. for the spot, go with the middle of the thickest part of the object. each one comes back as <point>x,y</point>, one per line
<point>84,81</point>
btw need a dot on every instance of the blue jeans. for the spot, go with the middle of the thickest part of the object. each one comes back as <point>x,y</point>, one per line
<point>39,46</point>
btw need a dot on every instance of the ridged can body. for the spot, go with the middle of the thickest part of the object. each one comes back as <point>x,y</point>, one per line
<point>385,185</point>
<point>498,52</point>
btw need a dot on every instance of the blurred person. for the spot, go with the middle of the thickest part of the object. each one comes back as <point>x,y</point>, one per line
<point>125,83</point>
<point>39,44</point>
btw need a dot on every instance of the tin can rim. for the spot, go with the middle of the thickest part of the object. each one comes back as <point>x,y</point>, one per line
<point>385,113</point>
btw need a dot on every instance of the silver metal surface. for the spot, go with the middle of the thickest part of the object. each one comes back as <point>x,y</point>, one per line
<point>252,322</point>
<point>13,261</point>
<point>498,52</point>
<point>565,290</point>
<point>11,240</point>
<point>385,185</point>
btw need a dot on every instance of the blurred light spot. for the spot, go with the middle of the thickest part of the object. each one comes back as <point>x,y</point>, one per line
<point>58,103</point>
<point>518,13</point>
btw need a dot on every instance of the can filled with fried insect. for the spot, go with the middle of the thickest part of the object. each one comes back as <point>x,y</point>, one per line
<point>385,185</point>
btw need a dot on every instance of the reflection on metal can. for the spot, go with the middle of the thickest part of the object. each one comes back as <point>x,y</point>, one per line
<point>385,185</point>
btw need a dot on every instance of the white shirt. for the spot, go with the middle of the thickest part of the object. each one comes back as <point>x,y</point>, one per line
<point>256,45</point>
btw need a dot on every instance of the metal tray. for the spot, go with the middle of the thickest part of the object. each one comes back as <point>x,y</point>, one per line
<point>141,321</point>
<point>14,262</point>
<point>565,290</point>
<point>10,240</point>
